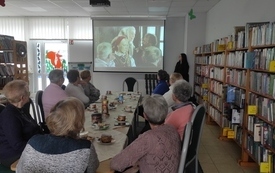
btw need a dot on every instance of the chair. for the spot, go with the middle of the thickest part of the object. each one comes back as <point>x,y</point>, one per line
<point>197,120</point>
<point>38,101</point>
<point>36,112</point>
<point>150,82</point>
<point>130,82</point>
<point>185,145</point>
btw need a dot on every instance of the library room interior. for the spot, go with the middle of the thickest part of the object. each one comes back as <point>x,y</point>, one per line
<point>140,69</point>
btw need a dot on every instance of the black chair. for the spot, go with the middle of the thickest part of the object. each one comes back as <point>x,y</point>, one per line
<point>38,101</point>
<point>150,82</point>
<point>130,82</point>
<point>192,162</point>
<point>185,145</point>
<point>35,112</point>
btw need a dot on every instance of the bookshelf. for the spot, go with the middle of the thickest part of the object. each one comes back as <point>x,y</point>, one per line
<point>13,60</point>
<point>240,89</point>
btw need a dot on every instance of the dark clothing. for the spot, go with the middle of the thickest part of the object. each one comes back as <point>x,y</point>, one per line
<point>183,69</point>
<point>16,128</point>
<point>161,88</point>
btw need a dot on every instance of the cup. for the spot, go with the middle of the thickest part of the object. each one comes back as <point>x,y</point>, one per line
<point>92,106</point>
<point>96,118</point>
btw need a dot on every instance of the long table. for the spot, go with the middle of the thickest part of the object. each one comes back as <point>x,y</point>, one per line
<point>119,133</point>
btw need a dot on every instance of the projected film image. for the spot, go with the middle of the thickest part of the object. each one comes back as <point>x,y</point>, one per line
<point>128,48</point>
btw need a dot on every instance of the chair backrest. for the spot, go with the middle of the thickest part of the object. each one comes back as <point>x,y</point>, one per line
<point>150,82</point>
<point>35,112</point>
<point>185,146</point>
<point>130,82</point>
<point>197,120</point>
<point>38,101</point>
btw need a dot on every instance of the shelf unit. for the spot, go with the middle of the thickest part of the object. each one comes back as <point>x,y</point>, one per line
<point>13,60</point>
<point>240,81</point>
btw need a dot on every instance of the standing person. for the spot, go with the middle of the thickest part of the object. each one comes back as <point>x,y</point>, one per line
<point>183,109</point>
<point>16,125</point>
<point>162,86</point>
<point>157,150</point>
<point>62,150</point>
<point>182,67</point>
<point>89,89</point>
<point>74,88</point>
<point>120,47</point>
<point>53,93</point>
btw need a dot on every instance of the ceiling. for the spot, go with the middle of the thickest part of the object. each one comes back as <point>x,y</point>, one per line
<point>118,8</point>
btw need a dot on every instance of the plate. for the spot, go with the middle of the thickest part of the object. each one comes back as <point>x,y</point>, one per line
<point>103,127</point>
<point>112,107</point>
<point>101,143</point>
<point>121,121</point>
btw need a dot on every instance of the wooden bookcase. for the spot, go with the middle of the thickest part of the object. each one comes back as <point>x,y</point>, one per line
<point>13,60</point>
<point>245,66</point>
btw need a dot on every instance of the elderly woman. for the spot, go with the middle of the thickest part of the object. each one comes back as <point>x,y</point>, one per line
<point>53,93</point>
<point>162,86</point>
<point>120,47</point>
<point>168,95</point>
<point>156,150</point>
<point>89,89</point>
<point>16,125</point>
<point>183,109</point>
<point>74,88</point>
<point>62,150</point>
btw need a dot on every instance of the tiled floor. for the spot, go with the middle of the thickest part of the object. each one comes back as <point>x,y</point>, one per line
<point>217,156</point>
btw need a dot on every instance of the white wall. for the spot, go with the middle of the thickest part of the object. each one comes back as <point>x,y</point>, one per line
<point>195,36</point>
<point>222,18</point>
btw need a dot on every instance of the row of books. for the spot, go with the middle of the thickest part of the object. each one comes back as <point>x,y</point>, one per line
<point>6,70</point>
<point>216,87</point>
<point>262,33</point>
<point>217,73</point>
<point>235,96</point>
<point>201,80</point>
<point>203,70</point>
<point>262,83</point>
<point>6,42</point>
<point>236,59</point>
<point>6,57</point>
<point>202,60</point>
<point>215,115</point>
<point>215,100</point>
<point>262,58</point>
<point>217,59</point>
<point>203,49</point>
<point>219,44</point>
<point>257,150</point>
<point>236,77</point>
<point>265,106</point>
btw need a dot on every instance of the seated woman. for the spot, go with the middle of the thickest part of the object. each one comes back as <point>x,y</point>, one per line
<point>168,95</point>
<point>183,109</point>
<point>16,124</point>
<point>62,150</point>
<point>162,86</point>
<point>74,88</point>
<point>156,150</point>
<point>89,89</point>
